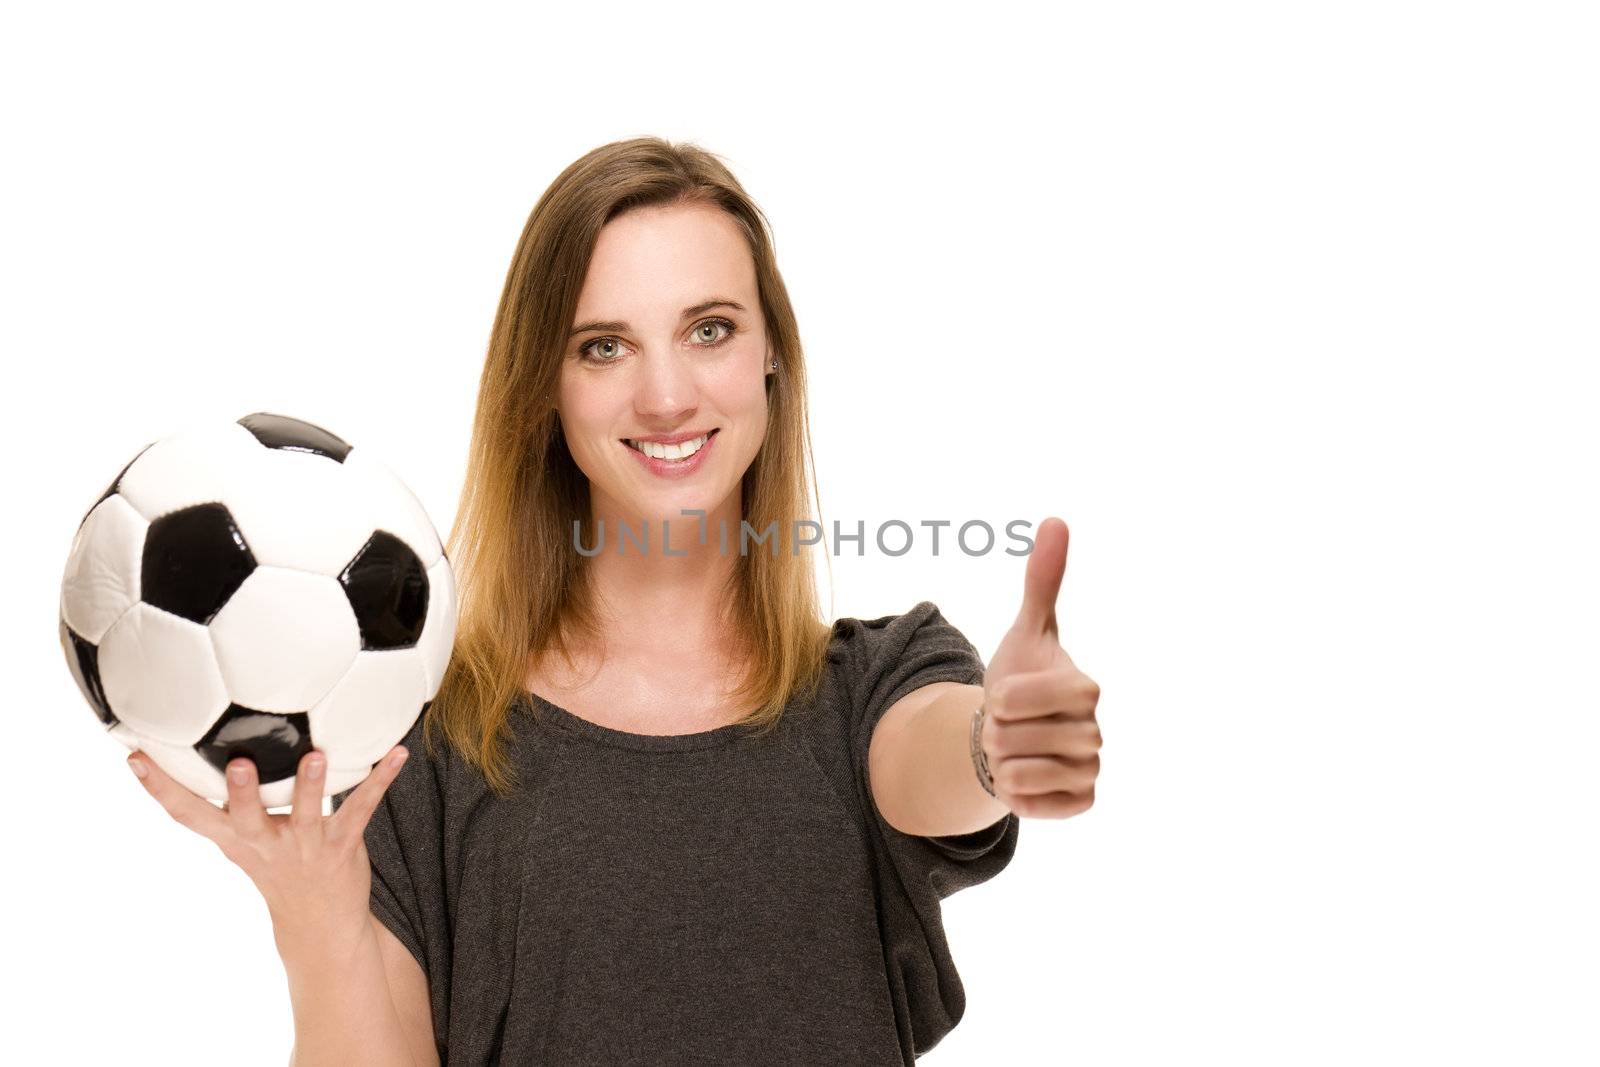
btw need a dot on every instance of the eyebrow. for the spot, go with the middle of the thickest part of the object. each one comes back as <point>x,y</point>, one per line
<point>688,312</point>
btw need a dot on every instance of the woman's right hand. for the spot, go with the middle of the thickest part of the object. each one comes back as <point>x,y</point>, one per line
<point>312,869</point>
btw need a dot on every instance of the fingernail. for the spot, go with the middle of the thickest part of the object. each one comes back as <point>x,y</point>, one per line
<point>239,773</point>
<point>398,758</point>
<point>314,768</point>
<point>138,766</point>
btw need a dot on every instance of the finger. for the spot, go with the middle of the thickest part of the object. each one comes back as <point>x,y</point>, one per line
<point>1041,582</point>
<point>1031,775</point>
<point>1055,736</point>
<point>244,798</point>
<point>1052,805</point>
<point>351,818</point>
<point>1033,694</point>
<point>305,812</point>
<point>185,807</point>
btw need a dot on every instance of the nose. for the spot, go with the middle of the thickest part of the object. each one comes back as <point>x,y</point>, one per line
<point>665,391</point>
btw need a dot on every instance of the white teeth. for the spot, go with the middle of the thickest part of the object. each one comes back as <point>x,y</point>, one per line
<point>679,451</point>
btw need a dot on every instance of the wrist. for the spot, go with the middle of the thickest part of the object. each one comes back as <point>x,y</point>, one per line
<point>317,948</point>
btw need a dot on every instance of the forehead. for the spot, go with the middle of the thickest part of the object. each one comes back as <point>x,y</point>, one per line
<point>666,258</point>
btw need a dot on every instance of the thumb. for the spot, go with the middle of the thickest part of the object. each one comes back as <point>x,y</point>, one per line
<point>1041,583</point>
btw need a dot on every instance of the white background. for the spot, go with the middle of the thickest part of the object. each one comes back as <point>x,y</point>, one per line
<point>1288,310</point>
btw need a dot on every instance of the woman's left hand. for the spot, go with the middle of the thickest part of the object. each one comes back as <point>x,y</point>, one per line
<point>1039,732</point>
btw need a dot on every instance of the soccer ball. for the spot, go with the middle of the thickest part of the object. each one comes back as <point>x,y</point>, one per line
<point>257,588</point>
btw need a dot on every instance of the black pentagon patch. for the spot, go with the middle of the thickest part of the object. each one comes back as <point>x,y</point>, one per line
<point>194,559</point>
<point>83,659</point>
<point>281,431</point>
<point>388,590</point>
<point>116,483</point>
<point>274,742</point>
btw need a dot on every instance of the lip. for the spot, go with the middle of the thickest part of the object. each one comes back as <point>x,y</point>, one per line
<point>669,468</point>
<point>673,438</point>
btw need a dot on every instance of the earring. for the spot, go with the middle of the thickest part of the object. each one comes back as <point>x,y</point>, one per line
<point>774,364</point>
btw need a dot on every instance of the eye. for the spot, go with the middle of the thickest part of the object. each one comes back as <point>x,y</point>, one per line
<point>712,324</point>
<point>592,352</point>
<point>587,350</point>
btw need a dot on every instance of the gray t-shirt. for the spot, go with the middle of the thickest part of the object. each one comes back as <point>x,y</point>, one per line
<point>707,898</point>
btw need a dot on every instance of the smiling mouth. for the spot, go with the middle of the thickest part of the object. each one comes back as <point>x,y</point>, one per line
<point>671,453</point>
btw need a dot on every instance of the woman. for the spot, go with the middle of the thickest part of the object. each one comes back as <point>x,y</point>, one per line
<point>637,824</point>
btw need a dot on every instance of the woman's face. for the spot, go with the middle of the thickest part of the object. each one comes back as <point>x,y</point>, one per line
<point>668,340</point>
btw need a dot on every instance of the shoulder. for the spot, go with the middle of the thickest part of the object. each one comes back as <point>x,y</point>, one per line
<point>919,612</point>
<point>435,771</point>
<point>874,662</point>
<point>916,639</point>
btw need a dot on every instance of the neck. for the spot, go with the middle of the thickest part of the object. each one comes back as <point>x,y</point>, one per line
<point>672,604</point>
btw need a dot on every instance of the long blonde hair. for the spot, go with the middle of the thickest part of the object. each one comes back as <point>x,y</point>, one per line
<point>521,585</point>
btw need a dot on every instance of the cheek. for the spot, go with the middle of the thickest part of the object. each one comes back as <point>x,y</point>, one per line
<point>740,384</point>
<point>743,395</point>
<point>591,406</point>
<point>586,436</point>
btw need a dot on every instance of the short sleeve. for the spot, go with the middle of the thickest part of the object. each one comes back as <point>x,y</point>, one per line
<point>404,840</point>
<point>890,657</point>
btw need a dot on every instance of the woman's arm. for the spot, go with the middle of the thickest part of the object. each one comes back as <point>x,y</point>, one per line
<point>315,875</point>
<point>359,1002</point>
<point>408,989</point>
<point>922,777</point>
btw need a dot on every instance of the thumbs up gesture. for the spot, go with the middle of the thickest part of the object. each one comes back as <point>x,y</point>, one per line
<point>1037,730</point>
